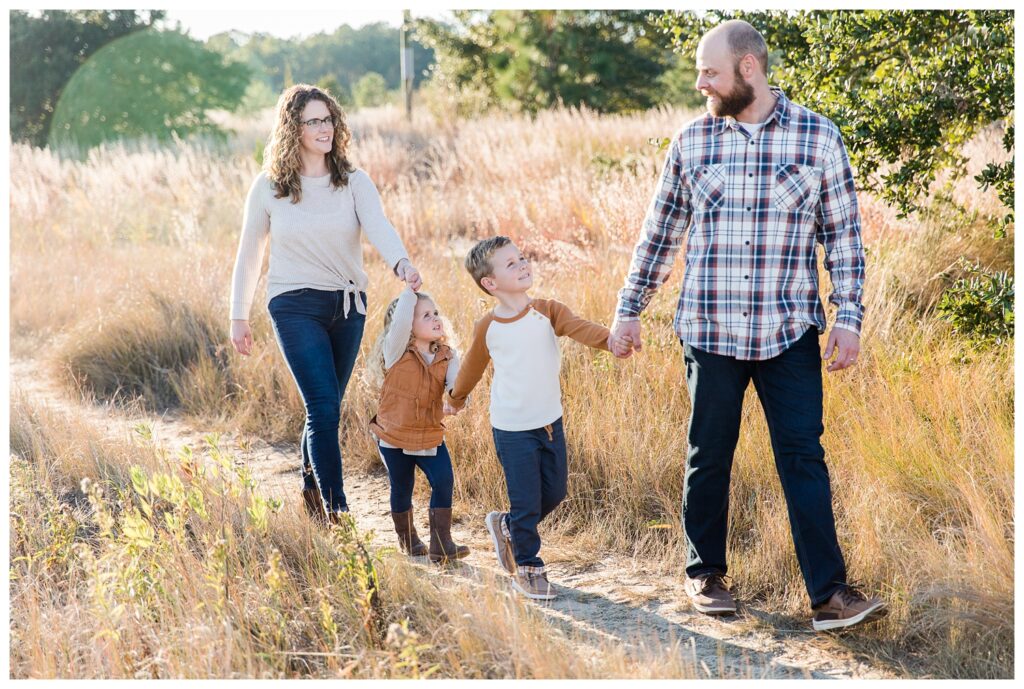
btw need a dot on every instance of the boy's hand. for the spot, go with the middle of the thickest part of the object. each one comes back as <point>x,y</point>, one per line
<point>624,338</point>
<point>627,332</point>
<point>621,347</point>
<point>448,410</point>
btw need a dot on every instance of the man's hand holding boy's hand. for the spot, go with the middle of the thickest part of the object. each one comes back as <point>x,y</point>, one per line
<point>448,410</point>
<point>624,338</point>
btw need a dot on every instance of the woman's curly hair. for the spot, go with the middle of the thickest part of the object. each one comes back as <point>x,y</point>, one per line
<point>282,160</point>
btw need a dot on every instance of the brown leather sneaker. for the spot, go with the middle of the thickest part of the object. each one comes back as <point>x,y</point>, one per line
<point>502,544</point>
<point>709,595</point>
<point>533,584</point>
<point>847,607</point>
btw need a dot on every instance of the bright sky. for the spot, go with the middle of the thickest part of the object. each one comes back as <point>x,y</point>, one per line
<point>202,24</point>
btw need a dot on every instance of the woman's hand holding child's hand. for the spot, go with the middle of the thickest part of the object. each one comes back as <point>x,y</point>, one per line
<point>408,273</point>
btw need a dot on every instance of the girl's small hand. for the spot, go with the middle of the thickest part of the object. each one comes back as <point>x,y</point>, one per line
<point>407,271</point>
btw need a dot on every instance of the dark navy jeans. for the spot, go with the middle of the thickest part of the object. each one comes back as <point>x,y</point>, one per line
<point>320,346</point>
<point>536,476</point>
<point>402,476</point>
<point>790,390</point>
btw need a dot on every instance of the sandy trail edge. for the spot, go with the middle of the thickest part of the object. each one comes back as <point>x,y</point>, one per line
<point>614,600</point>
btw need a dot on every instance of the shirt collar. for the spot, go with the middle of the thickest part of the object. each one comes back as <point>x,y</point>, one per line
<point>781,114</point>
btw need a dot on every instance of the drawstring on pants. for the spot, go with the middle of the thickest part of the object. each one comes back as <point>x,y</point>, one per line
<point>551,437</point>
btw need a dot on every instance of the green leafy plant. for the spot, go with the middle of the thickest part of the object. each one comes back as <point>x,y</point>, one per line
<point>980,306</point>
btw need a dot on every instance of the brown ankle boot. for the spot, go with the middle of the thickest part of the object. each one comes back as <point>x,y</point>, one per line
<point>442,547</point>
<point>407,536</point>
<point>314,506</point>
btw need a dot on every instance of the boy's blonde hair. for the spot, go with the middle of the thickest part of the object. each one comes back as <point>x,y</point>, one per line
<point>478,260</point>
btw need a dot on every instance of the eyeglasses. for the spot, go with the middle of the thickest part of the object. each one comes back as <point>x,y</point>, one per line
<point>315,123</point>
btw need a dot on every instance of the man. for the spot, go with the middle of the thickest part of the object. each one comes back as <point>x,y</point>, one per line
<point>754,185</point>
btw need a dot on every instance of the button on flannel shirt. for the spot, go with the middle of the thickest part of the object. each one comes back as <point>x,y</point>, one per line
<point>752,209</point>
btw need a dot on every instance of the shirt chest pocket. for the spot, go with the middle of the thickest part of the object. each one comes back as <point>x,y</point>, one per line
<point>707,183</point>
<point>796,187</point>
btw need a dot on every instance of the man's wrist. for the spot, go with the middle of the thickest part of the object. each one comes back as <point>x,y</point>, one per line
<point>847,326</point>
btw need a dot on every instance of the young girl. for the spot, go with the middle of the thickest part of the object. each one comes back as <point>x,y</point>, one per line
<point>418,367</point>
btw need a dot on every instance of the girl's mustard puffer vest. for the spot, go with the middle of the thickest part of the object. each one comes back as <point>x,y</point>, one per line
<point>410,415</point>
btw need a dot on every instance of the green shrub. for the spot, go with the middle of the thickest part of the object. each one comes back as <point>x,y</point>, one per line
<point>370,91</point>
<point>980,306</point>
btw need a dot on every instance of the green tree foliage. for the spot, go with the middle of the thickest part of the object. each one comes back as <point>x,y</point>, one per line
<point>258,96</point>
<point>607,60</point>
<point>150,83</point>
<point>46,49</point>
<point>907,88</point>
<point>678,84</point>
<point>370,91</point>
<point>329,84</point>
<point>345,54</point>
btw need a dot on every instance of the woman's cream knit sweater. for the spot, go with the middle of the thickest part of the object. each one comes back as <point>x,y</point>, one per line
<point>314,243</point>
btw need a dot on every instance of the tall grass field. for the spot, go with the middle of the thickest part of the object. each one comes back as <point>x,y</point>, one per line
<point>120,277</point>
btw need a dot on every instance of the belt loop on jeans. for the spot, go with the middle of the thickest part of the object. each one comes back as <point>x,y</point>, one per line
<point>551,436</point>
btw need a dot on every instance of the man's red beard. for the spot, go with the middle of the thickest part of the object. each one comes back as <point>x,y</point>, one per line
<point>736,101</point>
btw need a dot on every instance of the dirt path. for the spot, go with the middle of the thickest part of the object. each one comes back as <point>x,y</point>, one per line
<point>616,599</point>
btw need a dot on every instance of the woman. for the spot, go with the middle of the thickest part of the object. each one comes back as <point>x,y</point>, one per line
<point>313,205</point>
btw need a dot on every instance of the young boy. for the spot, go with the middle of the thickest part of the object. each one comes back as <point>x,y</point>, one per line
<point>521,336</point>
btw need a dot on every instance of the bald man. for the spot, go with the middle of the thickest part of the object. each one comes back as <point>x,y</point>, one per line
<point>753,186</point>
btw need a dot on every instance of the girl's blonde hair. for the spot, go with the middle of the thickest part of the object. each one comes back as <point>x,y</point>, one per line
<point>282,159</point>
<point>375,371</point>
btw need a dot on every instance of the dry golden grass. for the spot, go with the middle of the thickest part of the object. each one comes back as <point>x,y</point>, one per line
<point>139,247</point>
<point>127,563</point>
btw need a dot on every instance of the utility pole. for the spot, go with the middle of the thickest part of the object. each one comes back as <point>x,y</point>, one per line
<point>407,68</point>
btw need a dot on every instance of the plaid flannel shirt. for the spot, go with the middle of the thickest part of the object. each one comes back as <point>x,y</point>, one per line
<point>755,207</point>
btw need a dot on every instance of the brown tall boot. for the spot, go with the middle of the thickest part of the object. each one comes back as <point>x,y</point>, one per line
<point>442,547</point>
<point>407,536</point>
<point>314,505</point>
